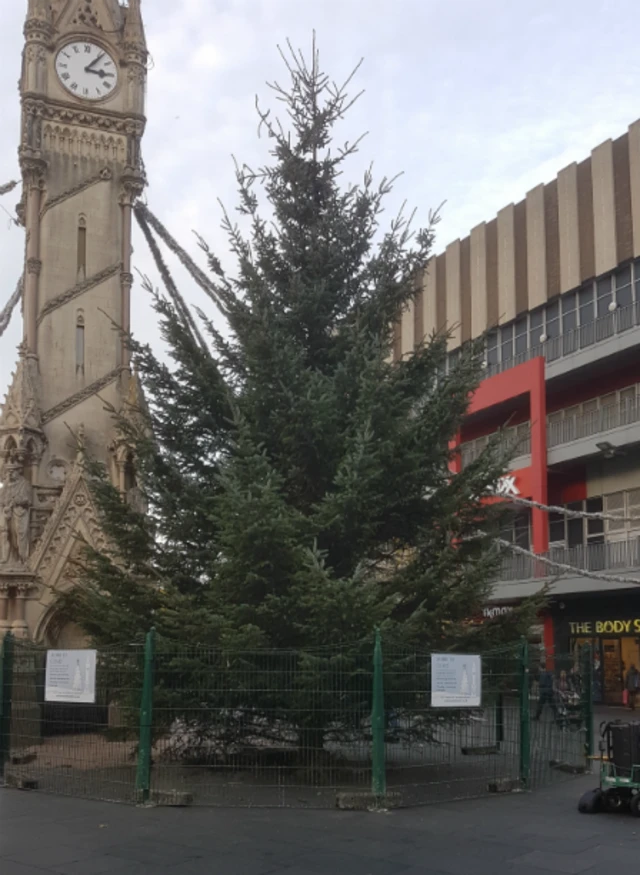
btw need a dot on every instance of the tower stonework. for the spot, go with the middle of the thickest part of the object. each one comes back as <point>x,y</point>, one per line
<point>82,90</point>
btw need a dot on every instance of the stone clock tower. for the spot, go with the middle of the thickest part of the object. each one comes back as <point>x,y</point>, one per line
<point>82,90</point>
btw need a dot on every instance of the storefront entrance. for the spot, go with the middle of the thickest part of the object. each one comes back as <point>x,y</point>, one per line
<point>612,658</point>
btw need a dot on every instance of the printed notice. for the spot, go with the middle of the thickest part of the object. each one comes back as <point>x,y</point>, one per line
<point>71,676</point>
<point>456,680</point>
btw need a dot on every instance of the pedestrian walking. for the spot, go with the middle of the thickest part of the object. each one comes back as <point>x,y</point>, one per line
<point>632,685</point>
<point>546,692</point>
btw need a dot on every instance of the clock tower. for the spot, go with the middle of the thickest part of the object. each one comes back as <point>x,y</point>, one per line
<point>82,91</point>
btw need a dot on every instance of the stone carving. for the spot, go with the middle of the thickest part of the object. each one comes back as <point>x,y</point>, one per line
<point>57,470</point>
<point>21,433</point>
<point>74,140</point>
<point>74,512</point>
<point>15,510</point>
<point>100,120</point>
<point>103,176</point>
<point>79,289</point>
<point>85,393</point>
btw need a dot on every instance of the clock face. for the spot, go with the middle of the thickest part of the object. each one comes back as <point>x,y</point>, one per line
<point>87,70</point>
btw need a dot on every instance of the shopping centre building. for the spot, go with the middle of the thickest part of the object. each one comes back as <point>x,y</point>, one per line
<point>554,282</point>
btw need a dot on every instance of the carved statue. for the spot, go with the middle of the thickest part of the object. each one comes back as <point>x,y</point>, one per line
<point>15,511</point>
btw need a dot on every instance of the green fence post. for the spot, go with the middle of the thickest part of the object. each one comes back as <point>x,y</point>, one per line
<point>525,717</point>
<point>143,776</point>
<point>378,776</point>
<point>499,720</point>
<point>587,696</point>
<point>6,696</point>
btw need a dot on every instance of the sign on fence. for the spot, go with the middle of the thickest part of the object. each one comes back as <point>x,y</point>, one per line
<point>71,676</point>
<point>456,680</point>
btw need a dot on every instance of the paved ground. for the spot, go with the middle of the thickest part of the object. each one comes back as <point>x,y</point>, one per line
<point>521,834</point>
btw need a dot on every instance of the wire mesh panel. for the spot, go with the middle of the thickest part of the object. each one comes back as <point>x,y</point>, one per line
<point>260,728</point>
<point>198,725</point>
<point>436,754</point>
<point>75,749</point>
<point>560,713</point>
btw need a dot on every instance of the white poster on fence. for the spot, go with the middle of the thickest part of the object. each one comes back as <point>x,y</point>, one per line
<point>456,680</point>
<point>71,676</point>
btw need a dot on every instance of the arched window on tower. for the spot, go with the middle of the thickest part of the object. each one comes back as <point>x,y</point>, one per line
<point>82,249</point>
<point>129,474</point>
<point>80,343</point>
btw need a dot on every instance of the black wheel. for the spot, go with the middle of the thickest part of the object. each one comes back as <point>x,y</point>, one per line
<point>590,802</point>
<point>613,801</point>
<point>635,805</point>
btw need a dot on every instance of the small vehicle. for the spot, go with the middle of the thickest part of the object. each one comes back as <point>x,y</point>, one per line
<point>619,770</point>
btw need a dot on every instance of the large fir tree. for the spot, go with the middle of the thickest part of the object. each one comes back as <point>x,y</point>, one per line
<point>298,481</point>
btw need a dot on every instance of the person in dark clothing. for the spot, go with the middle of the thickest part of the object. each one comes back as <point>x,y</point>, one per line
<point>632,685</point>
<point>546,693</point>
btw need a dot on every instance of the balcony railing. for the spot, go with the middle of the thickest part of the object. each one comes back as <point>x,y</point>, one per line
<point>613,556</point>
<point>469,451</point>
<point>595,332</point>
<point>594,422</point>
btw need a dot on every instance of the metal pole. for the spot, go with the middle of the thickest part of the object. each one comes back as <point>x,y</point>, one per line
<point>378,774</point>
<point>6,696</point>
<point>143,776</point>
<point>587,697</point>
<point>525,717</point>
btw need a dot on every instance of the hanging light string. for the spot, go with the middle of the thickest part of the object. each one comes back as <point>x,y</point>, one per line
<point>573,514</point>
<point>564,566</point>
<point>7,312</point>
<point>7,187</point>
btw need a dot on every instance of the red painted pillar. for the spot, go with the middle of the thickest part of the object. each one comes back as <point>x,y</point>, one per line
<point>455,462</point>
<point>538,410</point>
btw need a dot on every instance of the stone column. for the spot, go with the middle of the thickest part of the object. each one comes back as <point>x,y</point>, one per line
<point>4,610</point>
<point>33,173</point>
<point>131,187</point>
<point>19,626</point>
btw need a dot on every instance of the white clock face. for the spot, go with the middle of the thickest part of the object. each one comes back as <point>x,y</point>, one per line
<point>87,70</point>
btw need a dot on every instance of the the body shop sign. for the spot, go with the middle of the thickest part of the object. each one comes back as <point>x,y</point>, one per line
<point>606,627</point>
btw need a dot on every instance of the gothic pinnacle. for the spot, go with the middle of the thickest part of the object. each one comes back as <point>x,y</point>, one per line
<point>39,9</point>
<point>133,27</point>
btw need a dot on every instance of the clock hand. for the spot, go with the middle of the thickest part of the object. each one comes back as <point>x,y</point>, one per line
<point>101,73</point>
<point>89,69</point>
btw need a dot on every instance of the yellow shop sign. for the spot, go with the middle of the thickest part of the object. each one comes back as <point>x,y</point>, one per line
<point>606,627</point>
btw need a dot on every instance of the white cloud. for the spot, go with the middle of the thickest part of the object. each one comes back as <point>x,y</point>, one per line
<point>475,102</point>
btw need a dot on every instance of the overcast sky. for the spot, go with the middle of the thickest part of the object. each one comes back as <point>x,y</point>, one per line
<point>476,101</point>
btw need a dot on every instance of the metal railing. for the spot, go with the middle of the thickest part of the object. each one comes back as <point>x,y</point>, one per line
<point>611,556</point>
<point>584,425</point>
<point>471,450</point>
<point>571,342</point>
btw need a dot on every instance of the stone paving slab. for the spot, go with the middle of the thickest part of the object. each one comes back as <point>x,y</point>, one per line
<point>523,834</point>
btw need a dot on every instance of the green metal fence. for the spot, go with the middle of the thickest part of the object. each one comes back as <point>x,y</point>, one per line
<point>351,726</point>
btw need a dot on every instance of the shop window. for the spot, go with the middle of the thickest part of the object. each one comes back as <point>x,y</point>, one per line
<point>521,335</point>
<point>604,296</point>
<point>492,348</point>
<point>595,528</point>
<point>536,326</point>
<point>556,528</point>
<point>624,289</point>
<point>628,405</point>
<point>506,343</point>
<point>575,527</point>
<point>614,505</point>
